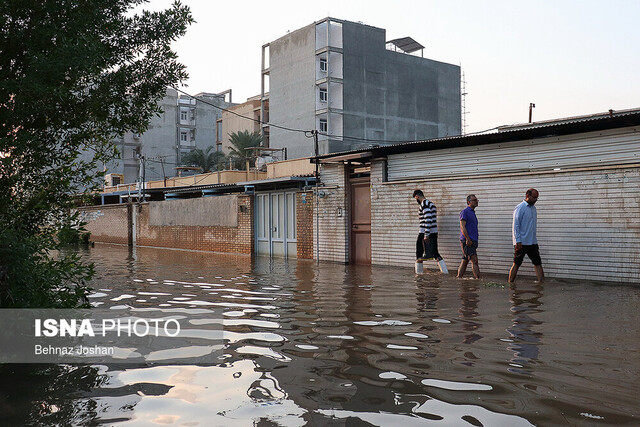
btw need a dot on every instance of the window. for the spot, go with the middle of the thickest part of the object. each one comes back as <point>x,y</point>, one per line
<point>323,125</point>
<point>219,131</point>
<point>323,95</point>
<point>183,116</point>
<point>323,65</point>
<point>183,136</point>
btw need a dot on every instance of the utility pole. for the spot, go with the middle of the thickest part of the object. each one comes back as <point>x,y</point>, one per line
<point>315,149</point>
<point>141,178</point>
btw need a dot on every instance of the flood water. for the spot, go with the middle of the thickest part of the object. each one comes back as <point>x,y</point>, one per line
<point>308,344</point>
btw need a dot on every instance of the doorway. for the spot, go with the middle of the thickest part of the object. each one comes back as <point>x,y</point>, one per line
<point>276,224</point>
<point>360,221</point>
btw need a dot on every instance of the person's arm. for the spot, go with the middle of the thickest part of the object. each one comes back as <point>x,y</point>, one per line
<point>517,228</point>
<point>463,230</point>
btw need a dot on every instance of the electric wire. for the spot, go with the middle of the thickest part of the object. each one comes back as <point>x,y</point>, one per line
<point>310,133</point>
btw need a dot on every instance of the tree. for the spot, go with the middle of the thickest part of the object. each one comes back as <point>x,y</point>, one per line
<point>73,74</point>
<point>205,160</point>
<point>241,140</point>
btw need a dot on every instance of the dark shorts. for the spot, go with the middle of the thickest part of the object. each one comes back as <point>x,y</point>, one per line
<point>468,251</point>
<point>428,249</point>
<point>531,251</point>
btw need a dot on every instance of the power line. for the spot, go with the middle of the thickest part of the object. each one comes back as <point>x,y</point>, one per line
<point>240,115</point>
<point>310,133</point>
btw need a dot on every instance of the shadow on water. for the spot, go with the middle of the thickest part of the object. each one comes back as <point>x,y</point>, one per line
<point>307,343</point>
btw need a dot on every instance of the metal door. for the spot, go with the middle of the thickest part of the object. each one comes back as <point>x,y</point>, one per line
<point>360,221</point>
<point>276,224</point>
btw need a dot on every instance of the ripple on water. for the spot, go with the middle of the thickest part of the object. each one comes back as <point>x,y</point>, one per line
<point>416,335</point>
<point>262,351</point>
<point>123,296</point>
<point>382,323</point>
<point>401,347</point>
<point>307,347</point>
<point>452,385</point>
<point>390,375</point>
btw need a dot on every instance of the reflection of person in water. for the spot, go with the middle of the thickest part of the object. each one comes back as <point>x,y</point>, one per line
<point>526,303</point>
<point>468,310</point>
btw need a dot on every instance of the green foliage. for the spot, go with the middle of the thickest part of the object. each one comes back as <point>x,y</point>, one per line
<point>32,278</point>
<point>494,285</point>
<point>241,140</point>
<point>72,231</point>
<point>74,75</point>
<point>206,160</point>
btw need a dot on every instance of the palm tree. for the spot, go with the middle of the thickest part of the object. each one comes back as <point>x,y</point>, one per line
<point>241,140</point>
<point>205,160</point>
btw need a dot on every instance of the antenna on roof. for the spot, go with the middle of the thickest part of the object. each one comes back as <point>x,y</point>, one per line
<point>463,100</point>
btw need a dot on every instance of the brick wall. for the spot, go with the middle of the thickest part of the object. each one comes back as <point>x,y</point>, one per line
<point>107,224</point>
<point>230,239</point>
<point>304,224</point>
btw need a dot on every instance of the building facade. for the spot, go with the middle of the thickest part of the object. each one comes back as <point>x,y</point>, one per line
<point>586,169</point>
<point>184,124</point>
<point>339,78</point>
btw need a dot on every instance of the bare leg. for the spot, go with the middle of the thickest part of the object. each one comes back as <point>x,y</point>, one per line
<point>513,272</point>
<point>475,266</point>
<point>539,273</point>
<point>462,268</point>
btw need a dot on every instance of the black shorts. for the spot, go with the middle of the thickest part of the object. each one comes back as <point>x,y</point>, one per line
<point>532,251</point>
<point>428,249</point>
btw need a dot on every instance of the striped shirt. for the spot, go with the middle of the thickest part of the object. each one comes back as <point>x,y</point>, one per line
<point>427,214</point>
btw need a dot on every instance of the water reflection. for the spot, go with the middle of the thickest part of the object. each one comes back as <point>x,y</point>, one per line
<point>317,344</point>
<point>526,341</point>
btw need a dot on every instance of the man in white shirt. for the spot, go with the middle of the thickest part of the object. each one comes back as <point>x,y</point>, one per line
<point>525,242</point>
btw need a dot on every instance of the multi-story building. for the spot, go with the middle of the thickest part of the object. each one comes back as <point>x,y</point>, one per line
<point>238,118</point>
<point>342,79</point>
<point>185,123</point>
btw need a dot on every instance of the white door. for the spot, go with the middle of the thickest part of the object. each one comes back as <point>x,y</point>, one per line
<point>276,224</point>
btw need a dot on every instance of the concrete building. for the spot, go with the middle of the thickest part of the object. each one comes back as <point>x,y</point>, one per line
<point>587,170</point>
<point>184,124</point>
<point>237,119</point>
<point>341,78</point>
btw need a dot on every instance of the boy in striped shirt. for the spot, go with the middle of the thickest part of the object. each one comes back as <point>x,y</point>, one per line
<point>427,243</point>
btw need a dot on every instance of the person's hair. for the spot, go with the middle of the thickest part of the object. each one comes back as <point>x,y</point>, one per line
<point>418,193</point>
<point>469,197</point>
<point>529,192</point>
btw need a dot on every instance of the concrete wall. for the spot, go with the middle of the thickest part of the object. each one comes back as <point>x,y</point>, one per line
<point>292,90</point>
<point>232,123</point>
<point>158,140</point>
<point>204,211</point>
<point>395,96</point>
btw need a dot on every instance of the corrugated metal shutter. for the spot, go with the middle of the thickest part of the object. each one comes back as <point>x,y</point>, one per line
<point>615,147</point>
<point>588,221</point>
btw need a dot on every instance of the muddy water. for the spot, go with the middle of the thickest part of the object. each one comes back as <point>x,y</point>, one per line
<point>333,344</point>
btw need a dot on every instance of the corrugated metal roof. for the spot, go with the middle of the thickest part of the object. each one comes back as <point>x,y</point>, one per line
<point>241,185</point>
<point>406,44</point>
<point>580,124</point>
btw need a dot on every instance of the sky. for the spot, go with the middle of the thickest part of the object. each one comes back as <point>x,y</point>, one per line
<point>568,57</point>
